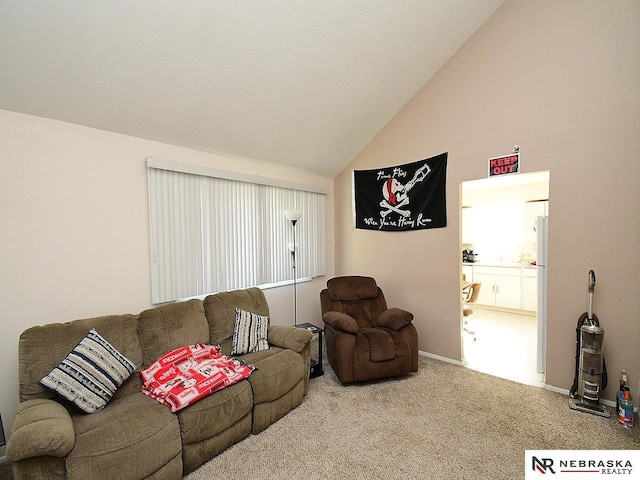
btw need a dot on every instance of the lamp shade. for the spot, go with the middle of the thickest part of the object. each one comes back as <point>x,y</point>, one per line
<point>293,215</point>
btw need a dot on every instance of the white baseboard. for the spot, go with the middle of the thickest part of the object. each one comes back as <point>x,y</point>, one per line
<point>438,357</point>
<point>551,388</point>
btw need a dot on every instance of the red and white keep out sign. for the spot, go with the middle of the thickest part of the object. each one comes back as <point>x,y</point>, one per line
<point>504,165</point>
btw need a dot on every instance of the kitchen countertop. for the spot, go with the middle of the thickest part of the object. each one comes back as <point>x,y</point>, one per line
<point>498,263</point>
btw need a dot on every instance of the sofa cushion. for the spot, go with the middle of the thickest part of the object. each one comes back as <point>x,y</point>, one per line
<point>249,333</point>
<point>171,326</point>
<point>215,413</point>
<point>133,437</point>
<point>277,372</point>
<point>278,385</point>
<point>41,348</point>
<point>90,374</point>
<point>220,310</point>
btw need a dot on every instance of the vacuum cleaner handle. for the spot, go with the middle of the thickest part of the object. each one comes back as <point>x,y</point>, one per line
<point>592,287</point>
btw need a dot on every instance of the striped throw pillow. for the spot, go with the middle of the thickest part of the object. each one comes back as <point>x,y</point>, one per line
<point>249,333</point>
<point>90,374</point>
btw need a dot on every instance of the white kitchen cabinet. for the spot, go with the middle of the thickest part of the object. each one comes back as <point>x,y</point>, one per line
<point>501,286</point>
<point>508,291</point>
<point>486,295</point>
<point>529,289</point>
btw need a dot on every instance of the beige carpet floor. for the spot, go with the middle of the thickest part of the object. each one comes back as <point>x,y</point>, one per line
<point>444,422</point>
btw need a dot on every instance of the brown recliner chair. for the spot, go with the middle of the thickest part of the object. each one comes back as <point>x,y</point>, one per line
<point>365,340</point>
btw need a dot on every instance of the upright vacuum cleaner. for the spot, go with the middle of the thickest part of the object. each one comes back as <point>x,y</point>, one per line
<point>591,371</point>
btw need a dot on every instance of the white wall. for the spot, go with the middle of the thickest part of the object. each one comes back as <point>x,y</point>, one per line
<point>75,240</point>
<point>560,79</point>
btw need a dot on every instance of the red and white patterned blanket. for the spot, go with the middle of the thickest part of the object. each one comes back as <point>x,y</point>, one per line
<point>188,374</point>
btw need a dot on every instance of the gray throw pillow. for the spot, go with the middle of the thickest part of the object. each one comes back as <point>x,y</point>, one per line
<point>90,374</point>
<point>249,333</point>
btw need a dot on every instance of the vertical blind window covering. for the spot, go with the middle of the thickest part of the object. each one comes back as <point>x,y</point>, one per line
<point>213,234</point>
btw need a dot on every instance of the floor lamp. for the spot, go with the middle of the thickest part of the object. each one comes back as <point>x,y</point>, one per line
<point>293,216</point>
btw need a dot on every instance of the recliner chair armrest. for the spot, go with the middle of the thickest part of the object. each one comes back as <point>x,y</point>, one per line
<point>286,336</point>
<point>42,427</point>
<point>394,319</point>
<point>341,321</point>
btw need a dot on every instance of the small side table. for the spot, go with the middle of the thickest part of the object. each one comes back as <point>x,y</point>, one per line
<point>316,365</point>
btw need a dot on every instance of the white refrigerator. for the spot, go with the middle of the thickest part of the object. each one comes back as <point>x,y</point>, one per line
<point>542,240</point>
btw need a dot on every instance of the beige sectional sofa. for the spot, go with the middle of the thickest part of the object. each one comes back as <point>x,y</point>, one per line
<point>134,436</point>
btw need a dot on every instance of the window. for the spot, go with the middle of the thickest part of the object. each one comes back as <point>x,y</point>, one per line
<point>213,231</point>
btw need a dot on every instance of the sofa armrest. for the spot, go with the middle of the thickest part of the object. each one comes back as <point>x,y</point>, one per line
<point>341,321</point>
<point>394,319</point>
<point>41,427</point>
<point>285,336</point>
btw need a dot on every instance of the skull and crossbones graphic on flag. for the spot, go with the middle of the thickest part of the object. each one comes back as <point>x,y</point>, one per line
<point>396,195</point>
<point>404,197</point>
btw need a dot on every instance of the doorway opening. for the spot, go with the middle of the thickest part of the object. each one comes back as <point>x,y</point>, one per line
<point>503,251</point>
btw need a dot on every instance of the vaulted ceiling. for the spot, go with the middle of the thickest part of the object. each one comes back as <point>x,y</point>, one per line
<point>301,82</point>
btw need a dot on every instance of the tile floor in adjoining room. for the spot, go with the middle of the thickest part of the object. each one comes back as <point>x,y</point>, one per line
<point>505,345</point>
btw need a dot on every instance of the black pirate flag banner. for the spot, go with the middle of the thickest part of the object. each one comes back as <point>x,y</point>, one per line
<point>405,197</point>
